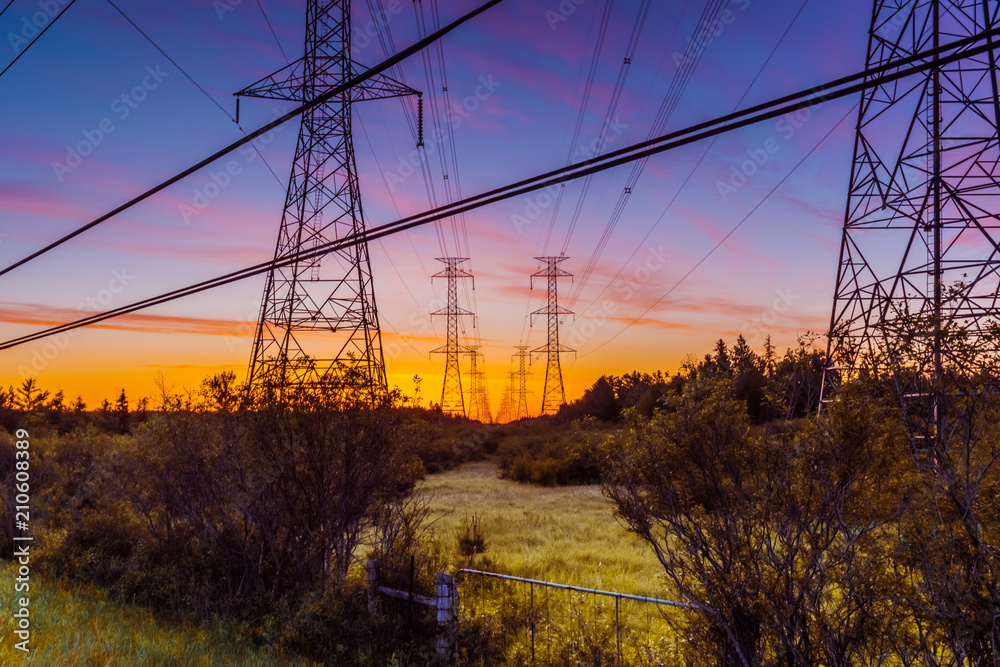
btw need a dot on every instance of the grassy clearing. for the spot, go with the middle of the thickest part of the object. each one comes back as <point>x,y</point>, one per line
<point>563,534</point>
<point>76,625</point>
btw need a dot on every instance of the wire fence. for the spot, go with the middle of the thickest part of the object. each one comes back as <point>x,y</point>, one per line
<point>516,621</point>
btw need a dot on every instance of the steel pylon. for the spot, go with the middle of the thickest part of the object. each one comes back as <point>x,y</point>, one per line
<point>920,250</point>
<point>452,399</point>
<point>318,320</point>
<point>554,394</point>
<point>479,397</point>
<point>519,379</point>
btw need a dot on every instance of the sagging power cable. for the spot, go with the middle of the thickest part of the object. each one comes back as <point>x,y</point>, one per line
<point>843,87</point>
<point>277,122</point>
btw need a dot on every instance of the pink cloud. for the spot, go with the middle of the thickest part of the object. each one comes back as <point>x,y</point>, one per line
<point>20,313</point>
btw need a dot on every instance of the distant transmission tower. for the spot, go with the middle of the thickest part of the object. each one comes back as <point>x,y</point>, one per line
<point>318,320</point>
<point>452,400</point>
<point>554,395</point>
<point>519,385</point>
<point>479,397</point>
<point>504,415</point>
<point>920,248</point>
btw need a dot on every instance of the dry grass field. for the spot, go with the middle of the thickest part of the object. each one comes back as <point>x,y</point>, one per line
<point>77,625</point>
<point>563,534</point>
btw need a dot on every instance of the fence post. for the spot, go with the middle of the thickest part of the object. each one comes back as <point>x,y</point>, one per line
<point>371,566</point>
<point>447,615</point>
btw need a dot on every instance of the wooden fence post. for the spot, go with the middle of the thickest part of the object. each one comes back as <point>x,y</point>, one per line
<point>447,615</point>
<point>371,566</point>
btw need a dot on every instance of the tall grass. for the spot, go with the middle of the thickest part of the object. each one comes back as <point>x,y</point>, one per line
<point>564,534</point>
<point>567,535</point>
<point>79,625</point>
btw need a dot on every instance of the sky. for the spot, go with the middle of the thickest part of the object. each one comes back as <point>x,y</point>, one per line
<point>737,235</point>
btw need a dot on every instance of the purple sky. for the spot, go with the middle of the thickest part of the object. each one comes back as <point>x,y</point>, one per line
<point>94,84</point>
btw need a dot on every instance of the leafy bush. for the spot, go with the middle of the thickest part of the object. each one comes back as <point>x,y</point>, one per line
<point>551,457</point>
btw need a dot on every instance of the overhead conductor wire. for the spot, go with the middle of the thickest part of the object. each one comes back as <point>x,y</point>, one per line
<point>842,87</point>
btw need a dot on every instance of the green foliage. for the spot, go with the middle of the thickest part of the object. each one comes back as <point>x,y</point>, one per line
<point>534,453</point>
<point>442,442</point>
<point>781,537</point>
<point>244,515</point>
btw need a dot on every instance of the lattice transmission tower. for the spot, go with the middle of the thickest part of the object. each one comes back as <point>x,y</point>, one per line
<point>920,251</point>
<point>504,414</point>
<point>318,320</point>
<point>452,399</point>
<point>519,385</point>
<point>554,394</point>
<point>479,396</point>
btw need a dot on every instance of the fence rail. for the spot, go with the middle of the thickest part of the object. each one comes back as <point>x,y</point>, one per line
<point>535,626</point>
<point>578,589</point>
<point>535,622</point>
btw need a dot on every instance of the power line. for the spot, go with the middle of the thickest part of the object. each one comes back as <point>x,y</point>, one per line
<point>6,7</point>
<point>269,27</point>
<point>694,168</point>
<point>196,85</point>
<point>726,237</point>
<point>277,122</point>
<point>848,85</point>
<point>678,85</point>
<point>172,61</point>
<point>37,37</point>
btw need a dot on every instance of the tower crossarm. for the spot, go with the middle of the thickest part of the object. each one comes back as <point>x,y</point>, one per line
<point>290,83</point>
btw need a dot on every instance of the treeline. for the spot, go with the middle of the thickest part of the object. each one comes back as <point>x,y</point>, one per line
<point>772,387</point>
<point>567,448</point>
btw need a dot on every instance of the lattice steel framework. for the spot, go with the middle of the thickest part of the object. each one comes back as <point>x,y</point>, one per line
<point>479,396</point>
<point>519,379</point>
<point>332,296</point>
<point>919,254</point>
<point>452,400</point>
<point>554,394</point>
<point>503,415</point>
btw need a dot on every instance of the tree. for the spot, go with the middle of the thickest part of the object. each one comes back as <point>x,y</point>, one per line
<point>721,358</point>
<point>953,530</point>
<point>221,392</point>
<point>798,378</point>
<point>600,401</point>
<point>776,537</point>
<point>57,402</point>
<point>121,412</point>
<point>416,390</point>
<point>750,382</point>
<point>30,397</point>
